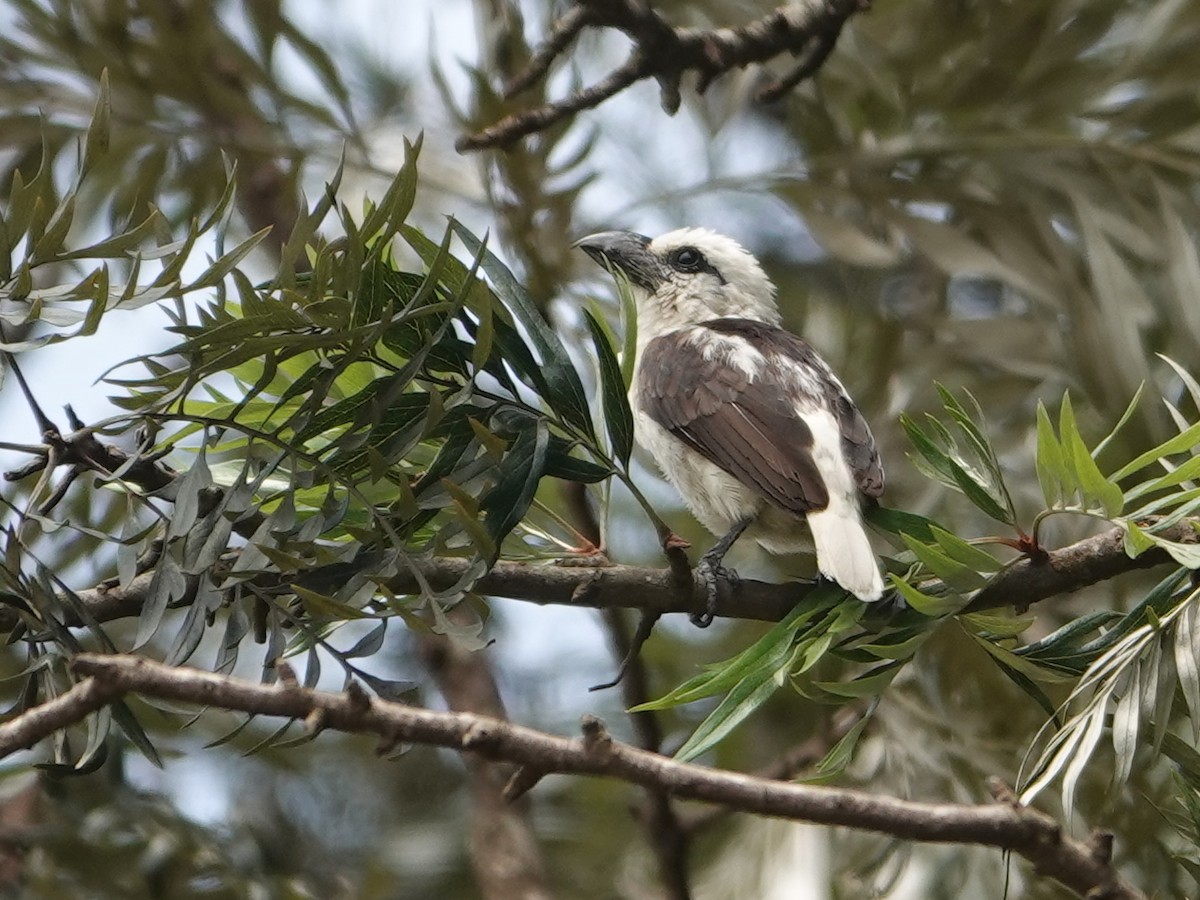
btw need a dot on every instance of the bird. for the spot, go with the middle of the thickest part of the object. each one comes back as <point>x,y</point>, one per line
<point>743,417</point>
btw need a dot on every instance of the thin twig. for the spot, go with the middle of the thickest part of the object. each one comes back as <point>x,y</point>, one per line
<point>63,711</point>
<point>807,30</point>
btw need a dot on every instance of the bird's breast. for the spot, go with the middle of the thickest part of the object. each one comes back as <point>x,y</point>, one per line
<point>714,496</point>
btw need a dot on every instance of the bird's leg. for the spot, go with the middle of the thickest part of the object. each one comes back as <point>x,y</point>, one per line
<point>710,571</point>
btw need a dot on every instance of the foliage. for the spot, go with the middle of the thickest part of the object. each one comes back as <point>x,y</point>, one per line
<point>340,421</point>
<point>1002,197</point>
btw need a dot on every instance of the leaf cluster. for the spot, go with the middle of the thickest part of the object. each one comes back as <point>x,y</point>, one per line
<point>325,427</point>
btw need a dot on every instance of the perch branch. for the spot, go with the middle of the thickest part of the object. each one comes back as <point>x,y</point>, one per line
<point>1086,562</point>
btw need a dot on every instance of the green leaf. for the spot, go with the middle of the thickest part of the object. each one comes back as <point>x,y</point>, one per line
<point>1186,471</point>
<point>899,646</point>
<point>517,479</point>
<point>95,144</point>
<point>895,521</point>
<point>1055,477</point>
<point>975,491</point>
<point>1066,639</point>
<point>617,416</point>
<point>629,319</point>
<point>121,244</point>
<point>999,625</point>
<point>870,684</point>
<point>565,394</point>
<point>925,604</point>
<point>1092,484</point>
<point>771,650</point>
<point>1187,555</point>
<point>167,584</point>
<point>133,730</point>
<point>1189,380</point>
<point>215,273</point>
<point>957,575</point>
<point>937,458</point>
<point>747,695</point>
<point>318,604</point>
<point>1181,443</point>
<point>1021,664</point>
<point>1186,646</point>
<point>384,221</point>
<point>561,464</point>
<point>1030,687</point>
<point>840,754</point>
<point>1121,423</point>
<point>967,554</point>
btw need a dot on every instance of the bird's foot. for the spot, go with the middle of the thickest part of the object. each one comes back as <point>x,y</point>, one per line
<point>710,572</point>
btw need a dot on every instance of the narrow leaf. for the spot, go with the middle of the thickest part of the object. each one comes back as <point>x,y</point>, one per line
<point>1092,484</point>
<point>566,395</point>
<point>617,416</point>
<point>1054,476</point>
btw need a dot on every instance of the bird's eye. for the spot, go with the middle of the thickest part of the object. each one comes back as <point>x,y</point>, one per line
<point>687,259</point>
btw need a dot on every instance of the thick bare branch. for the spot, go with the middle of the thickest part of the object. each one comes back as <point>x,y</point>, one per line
<point>807,30</point>
<point>1004,825</point>
<point>800,758</point>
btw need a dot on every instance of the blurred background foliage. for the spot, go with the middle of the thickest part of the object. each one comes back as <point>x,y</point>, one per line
<point>1000,197</point>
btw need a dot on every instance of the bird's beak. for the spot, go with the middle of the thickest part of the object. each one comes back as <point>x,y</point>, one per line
<point>626,252</point>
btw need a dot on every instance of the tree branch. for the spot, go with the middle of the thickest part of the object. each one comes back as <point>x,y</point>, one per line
<point>799,758</point>
<point>1028,581</point>
<point>503,846</point>
<point>41,721</point>
<point>82,451</point>
<point>1004,825</point>
<point>1091,560</point>
<point>807,30</point>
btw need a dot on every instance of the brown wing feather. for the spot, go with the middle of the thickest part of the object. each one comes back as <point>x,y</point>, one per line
<point>858,444</point>
<point>754,435</point>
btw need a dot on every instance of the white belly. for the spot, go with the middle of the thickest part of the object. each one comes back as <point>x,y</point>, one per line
<point>715,497</point>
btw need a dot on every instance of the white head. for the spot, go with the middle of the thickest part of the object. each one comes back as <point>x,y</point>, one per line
<point>686,276</point>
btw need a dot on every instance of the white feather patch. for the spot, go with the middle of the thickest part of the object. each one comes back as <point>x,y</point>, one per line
<point>844,552</point>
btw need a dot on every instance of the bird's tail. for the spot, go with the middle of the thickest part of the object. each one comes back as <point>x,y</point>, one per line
<point>844,553</point>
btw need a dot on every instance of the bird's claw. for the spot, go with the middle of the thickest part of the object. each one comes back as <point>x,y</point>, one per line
<point>711,574</point>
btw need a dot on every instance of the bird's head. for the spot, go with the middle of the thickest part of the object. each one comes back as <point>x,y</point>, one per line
<point>686,276</point>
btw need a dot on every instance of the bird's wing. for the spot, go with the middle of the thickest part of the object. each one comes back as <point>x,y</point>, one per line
<point>751,429</point>
<point>858,444</point>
